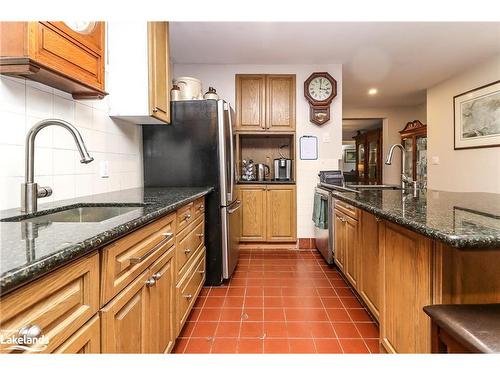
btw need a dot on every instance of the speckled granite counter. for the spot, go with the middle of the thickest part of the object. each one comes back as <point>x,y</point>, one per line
<point>28,250</point>
<point>462,220</point>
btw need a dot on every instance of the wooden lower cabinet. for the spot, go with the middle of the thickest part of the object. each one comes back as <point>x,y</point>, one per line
<point>59,304</point>
<point>339,254</point>
<point>269,213</point>
<point>369,270</point>
<point>87,340</point>
<point>253,213</point>
<point>406,286</point>
<point>352,249</point>
<point>125,320</point>
<point>281,213</point>
<point>162,304</point>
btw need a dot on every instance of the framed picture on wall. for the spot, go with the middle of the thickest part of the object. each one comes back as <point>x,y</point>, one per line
<point>477,117</point>
<point>349,156</point>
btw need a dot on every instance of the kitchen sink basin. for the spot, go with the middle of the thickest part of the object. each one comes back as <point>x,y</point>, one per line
<point>85,214</point>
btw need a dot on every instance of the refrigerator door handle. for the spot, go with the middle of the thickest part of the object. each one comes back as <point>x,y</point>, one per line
<point>231,145</point>
<point>231,209</point>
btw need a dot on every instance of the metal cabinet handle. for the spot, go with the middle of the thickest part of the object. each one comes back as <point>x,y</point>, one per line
<point>151,282</point>
<point>187,216</point>
<point>200,207</point>
<point>187,251</point>
<point>156,109</point>
<point>378,219</point>
<point>156,276</point>
<point>201,272</point>
<point>188,296</point>
<point>168,236</point>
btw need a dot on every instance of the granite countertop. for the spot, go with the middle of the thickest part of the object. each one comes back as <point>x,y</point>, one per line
<point>30,250</point>
<point>461,220</point>
<point>267,182</point>
<point>477,327</point>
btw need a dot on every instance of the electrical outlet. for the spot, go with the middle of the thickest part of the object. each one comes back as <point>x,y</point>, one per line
<point>104,169</point>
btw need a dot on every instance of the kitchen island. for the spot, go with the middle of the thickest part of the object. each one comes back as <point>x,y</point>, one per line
<point>401,252</point>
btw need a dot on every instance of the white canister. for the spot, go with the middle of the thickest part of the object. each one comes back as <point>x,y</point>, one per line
<point>190,88</point>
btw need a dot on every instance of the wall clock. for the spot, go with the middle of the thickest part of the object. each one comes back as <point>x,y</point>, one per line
<point>320,89</point>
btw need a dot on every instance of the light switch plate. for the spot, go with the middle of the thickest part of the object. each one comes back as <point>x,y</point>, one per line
<point>104,169</point>
<point>435,160</point>
<point>326,138</point>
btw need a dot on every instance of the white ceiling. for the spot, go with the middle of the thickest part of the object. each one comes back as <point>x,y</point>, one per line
<point>350,127</point>
<point>400,59</point>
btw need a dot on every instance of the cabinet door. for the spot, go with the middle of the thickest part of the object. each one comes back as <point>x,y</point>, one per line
<point>125,320</point>
<point>280,108</point>
<point>87,340</point>
<point>161,307</point>
<point>159,75</point>
<point>250,102</point>
<point>406,288</point>
<point>281,213</point>
<point>339,240</point>
<point>351,249</point>
<point>253,213</point>
<point>369,263</point>
<point>77,55</point>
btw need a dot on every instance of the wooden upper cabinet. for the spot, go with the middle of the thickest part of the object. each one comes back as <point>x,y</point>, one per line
<point>280,108</point>
<point>253,213</point>
<point>138,72</point>
<point>281,220</point>
<point>54,54</point>
<point>250,102</point>
<point>265,102</point>
<point>159,76</point>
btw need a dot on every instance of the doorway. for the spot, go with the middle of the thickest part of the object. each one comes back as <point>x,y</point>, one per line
<point>362,150</point>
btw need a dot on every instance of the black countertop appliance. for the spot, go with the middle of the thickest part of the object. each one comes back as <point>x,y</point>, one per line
<point>197,149</point>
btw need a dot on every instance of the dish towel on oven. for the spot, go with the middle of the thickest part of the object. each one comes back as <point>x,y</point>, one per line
<point>320,212</point>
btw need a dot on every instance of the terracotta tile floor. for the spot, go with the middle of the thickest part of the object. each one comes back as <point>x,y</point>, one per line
<point>279,302</point>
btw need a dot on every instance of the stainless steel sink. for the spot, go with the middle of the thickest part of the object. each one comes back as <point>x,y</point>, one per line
<point>86,214</point>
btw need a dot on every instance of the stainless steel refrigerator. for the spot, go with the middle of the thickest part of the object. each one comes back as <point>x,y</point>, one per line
<point>198,149</point>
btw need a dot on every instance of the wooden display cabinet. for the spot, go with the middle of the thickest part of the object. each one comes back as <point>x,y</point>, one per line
<point>369,157</point>
<point>414,140</point>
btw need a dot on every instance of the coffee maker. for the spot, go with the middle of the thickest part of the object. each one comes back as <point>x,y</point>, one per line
<point>283,169</point>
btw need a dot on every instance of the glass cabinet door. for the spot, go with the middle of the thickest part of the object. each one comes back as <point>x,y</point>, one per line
<point>372,160</point>
<point>408,145</point>
<point>361,161</point>
<point>421,160</point>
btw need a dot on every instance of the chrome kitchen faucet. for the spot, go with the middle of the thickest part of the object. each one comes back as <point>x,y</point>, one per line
<point>404,178</point>
<point>30,192</point>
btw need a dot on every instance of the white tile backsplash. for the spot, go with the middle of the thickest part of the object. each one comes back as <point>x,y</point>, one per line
<point>57,161</point>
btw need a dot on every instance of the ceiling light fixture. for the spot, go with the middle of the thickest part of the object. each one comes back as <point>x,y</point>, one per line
<point>372,91</point>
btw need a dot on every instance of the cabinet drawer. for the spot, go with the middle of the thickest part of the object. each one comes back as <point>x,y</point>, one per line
<point>87,340</point>
<point>188,245</point>
<point>189,288</point>
<point>199,207</point>
<point>128,257</point>
<point>59,303</point>
<point>347,209</point>
<point>185,216</point>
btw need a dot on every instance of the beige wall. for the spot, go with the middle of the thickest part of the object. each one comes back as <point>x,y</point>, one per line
<point>222,77</point>
<point>394,120</point>
<point>460,170</point>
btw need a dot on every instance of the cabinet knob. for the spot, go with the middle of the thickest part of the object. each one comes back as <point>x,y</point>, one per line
<point>188,296</point>
<point>187,216</point>
<point>201,272</point>
<point>200,234</point>
<point>157,276</point>
<point>378,219</point>
<point>30,332</point>
<point>187,251</point>
<point>151,282</point>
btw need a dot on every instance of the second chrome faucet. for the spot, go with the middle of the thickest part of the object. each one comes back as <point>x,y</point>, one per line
<point>30,192</point>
